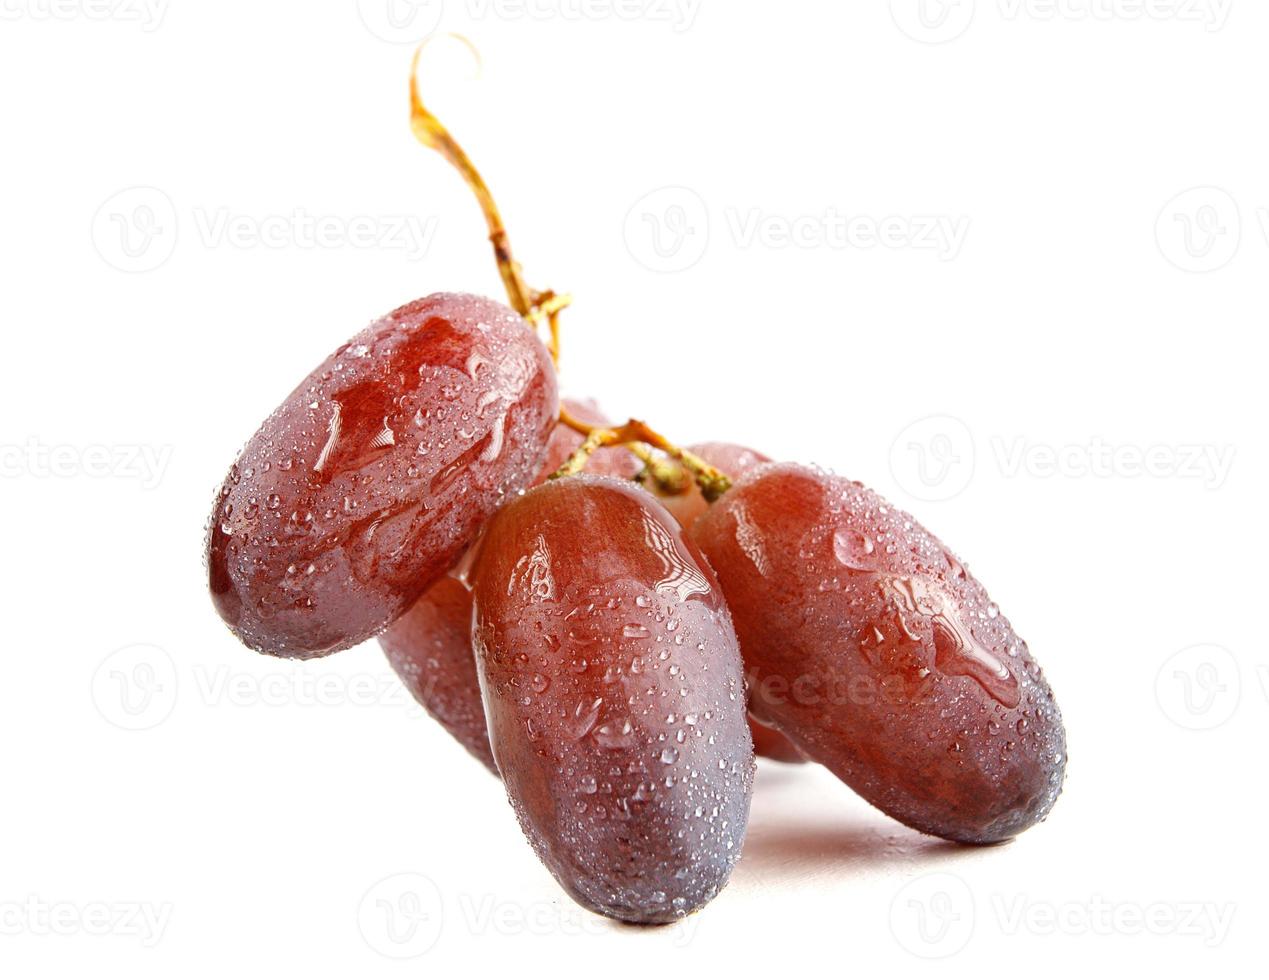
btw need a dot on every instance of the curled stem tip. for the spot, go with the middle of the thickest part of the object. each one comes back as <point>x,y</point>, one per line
<point>534,305</point>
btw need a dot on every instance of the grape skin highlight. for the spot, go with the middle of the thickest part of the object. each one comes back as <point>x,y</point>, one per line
<point>869,645</point>
<point>615,698</point>
<point>368,483</point>
<point>430,646</point>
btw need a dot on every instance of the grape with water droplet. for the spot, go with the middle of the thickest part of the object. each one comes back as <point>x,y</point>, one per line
<point>877,654</point>
<point>631,773</point>
<point>430,646</point>
<point>370,480</point>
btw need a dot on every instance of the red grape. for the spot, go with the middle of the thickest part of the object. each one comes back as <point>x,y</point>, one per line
<point>430,646</point>
<point>615,697</point>
<point>375,474</point>
<point>871,647</point>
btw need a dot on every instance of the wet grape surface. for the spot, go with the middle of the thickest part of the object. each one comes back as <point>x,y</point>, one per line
<point>615,697</point>
<point>430,646</point>
<point>367,484</point>
<point>871,647</point>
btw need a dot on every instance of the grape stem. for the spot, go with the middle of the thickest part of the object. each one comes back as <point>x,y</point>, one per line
<point>641,439</point>
<point>534,305</point>
<point>674,472</point>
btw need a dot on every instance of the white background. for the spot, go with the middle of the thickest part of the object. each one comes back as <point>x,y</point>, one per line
<point>1088,344</point>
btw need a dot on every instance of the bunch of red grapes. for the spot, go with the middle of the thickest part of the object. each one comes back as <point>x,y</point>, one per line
<point>610,642</point>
